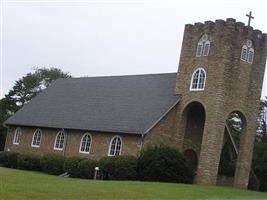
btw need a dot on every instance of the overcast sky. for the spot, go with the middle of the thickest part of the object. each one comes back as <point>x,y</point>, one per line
<point>93,38</point>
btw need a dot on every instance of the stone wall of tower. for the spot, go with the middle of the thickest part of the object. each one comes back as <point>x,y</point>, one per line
<point>231,85</point>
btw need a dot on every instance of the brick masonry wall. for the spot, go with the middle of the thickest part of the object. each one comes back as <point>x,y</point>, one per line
<point>131,144</point>
<point>163,132</point>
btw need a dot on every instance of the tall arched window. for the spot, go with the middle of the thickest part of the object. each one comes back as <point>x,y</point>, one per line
<point>198,79</point>
<point>115,146</point>
<point>250,55</point>
<point>85,144</point>
<point>36,138</point>
<point>206,48</point>
<point>17,136</point>
<point>203,46</point>
<point>247,52</point>
<point>244,53</point>
<point>59,141</point>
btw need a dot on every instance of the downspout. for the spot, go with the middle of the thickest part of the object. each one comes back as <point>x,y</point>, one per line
<point>66,141</point>
<point>142,141</point>
<point>7,131</point>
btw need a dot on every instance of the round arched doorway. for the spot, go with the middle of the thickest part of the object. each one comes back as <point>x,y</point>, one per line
<point>194,117</point>
<point>191,156</point>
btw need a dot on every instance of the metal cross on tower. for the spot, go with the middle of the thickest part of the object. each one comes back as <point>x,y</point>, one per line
<point>249,17</point>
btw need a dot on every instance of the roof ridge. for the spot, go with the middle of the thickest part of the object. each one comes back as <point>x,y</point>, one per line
<point>126,75</point>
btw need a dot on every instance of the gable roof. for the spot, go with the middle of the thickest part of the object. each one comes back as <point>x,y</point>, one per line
<point>122,104</point>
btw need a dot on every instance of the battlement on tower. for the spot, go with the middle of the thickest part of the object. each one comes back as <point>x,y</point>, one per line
<point>227,25</point>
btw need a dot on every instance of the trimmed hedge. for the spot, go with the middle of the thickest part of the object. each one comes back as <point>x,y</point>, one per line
<point>164,163</point>
<point>86,168</point>
<point>53,164</point>
<point>158,163</point>
<point>8,159</point>
<point>71,165</point>
<point>29,162</point>
<point>118,168</point>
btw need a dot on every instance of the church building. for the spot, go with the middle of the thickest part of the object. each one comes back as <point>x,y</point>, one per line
<point>220,71</point>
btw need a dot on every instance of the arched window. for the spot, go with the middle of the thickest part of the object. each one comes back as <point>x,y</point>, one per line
<point>206,48</point>
<point>199,49</point>
<point>244,53</point>
<point>17,136</point>
<point>203,46</point>
<point>85,144</point>
<point>59,141</point>
<point>250,55</point>
<point>247,52</point>
<point>36,138</point>
<point>198,79</point>
<point>115,146</point>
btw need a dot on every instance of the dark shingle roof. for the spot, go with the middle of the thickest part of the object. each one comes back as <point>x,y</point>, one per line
<point>123,104</point>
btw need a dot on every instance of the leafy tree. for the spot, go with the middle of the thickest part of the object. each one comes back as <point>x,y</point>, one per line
<point>259,163</point>
<point>30,85</point>
<point>24,90</point>
<point>262,121</point>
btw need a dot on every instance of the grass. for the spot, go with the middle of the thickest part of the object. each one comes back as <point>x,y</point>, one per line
<point>19,184</point>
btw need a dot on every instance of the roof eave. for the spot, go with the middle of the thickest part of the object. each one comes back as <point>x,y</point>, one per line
<point>74,128</point>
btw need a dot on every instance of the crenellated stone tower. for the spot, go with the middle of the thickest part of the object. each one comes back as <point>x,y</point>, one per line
<point>221,71</point>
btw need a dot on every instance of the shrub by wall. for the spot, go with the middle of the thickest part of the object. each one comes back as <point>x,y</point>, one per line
<point>106,168</point>
<point>29,162</point>
<point>3,158</point>
<point>8,159</point>
<point>71,165</point>
<point>164,163</point>
<point>86,168</point>
<point>118,168</point>
<point>53,164</point>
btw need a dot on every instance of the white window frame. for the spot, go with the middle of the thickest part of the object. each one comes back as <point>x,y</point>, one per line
<point>55,142</point>
<point>17,136</point>
<point>248,49</point>
<point>204,47</point>
<point>203,41</point>
<point>91,140</point>
<point>244,48</point>
<point>201,49</point>
<point>110,144</point>
<point>251,50</point>
<point>35,132</point>
<point>200,69</point>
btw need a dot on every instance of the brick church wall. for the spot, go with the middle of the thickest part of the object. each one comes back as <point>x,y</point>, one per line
<point>131,144</point>
<point>163,132</point>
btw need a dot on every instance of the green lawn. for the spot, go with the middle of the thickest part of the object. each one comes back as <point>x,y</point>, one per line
<point>18,184</point>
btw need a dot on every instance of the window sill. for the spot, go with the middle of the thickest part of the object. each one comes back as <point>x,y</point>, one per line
<point>195,90</point>
<point>84,152</point>
<point>57,149</point>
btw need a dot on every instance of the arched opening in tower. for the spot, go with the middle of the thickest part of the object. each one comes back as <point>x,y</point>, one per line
<point>195,122</point>
<point>233,133</point>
